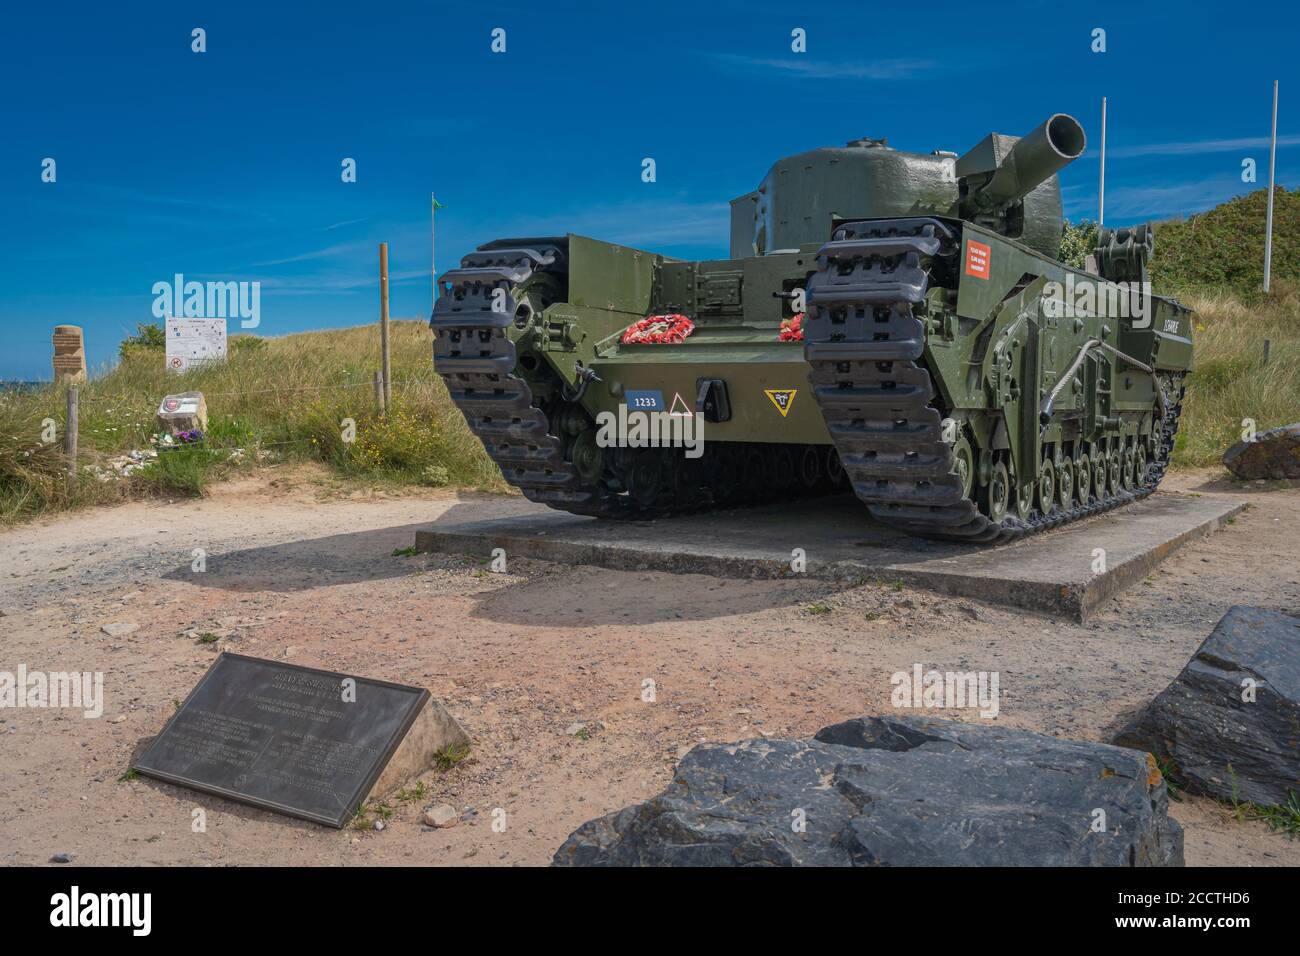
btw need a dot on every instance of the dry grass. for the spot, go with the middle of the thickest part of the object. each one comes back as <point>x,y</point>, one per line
<point>1231,382</point>
<point>286,397</point>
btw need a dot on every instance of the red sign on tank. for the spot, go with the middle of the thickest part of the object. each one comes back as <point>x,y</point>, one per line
<point>977,259</point>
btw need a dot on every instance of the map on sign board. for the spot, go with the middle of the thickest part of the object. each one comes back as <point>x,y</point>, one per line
<point>194,342</point>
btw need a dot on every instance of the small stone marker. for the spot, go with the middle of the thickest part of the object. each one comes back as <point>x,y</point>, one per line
<point>69,354</point>
<point>183,412</point>
<point>301,741</point>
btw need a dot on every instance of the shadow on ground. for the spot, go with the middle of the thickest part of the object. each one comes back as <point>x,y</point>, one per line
<point>306,564</point>
<point>600,596</point>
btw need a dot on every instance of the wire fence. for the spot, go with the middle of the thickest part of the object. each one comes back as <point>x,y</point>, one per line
<point>241,393</point>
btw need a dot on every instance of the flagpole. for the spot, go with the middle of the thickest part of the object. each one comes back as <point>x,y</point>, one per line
<point>1268,227</point>
<point>1101,192</point>
<point>433,252</point>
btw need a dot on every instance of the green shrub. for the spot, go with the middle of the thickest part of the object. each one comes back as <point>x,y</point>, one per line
<point>1077,242</point>
<point>149,338</point>
<point>1222,250</point>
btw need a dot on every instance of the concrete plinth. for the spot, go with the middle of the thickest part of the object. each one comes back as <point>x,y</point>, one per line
<point>1067,572</point>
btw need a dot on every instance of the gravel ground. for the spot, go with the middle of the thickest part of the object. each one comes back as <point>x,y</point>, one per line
<point>296,574</point>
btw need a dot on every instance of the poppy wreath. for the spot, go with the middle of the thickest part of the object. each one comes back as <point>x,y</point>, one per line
<point>659,330</point>
<point>792,329</point>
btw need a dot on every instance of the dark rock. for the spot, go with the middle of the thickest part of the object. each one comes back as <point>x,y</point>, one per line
<point>1199,726</point>
<point>1273,454</point>
<point>62,858</point>
<point>911,791</point>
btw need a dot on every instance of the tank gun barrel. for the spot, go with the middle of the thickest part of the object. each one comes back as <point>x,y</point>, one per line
<point>1034,158</point>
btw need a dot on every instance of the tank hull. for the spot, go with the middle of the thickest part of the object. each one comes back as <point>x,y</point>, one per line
<point>943,363</point>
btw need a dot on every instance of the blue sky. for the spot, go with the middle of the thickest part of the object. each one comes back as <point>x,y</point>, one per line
<point>225,165</point>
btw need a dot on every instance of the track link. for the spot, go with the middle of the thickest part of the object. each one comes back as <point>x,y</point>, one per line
<point>864,339</point>
<point>476,358</point>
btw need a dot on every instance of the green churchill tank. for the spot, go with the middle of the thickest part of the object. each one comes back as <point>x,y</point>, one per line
<point>896,323</point>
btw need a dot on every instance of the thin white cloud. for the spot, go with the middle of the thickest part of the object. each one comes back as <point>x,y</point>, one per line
<point>138,198</point>
<point>1126,203</point>
<point>808,67</point>
<point>1198,147</point>
<point>328,252</point>
<point>642,223</point>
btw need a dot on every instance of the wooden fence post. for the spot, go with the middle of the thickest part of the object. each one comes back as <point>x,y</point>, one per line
<point>383,324</point>
<point>70,434</point>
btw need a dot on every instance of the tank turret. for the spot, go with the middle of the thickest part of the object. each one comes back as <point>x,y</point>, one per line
<point>1006,183</point>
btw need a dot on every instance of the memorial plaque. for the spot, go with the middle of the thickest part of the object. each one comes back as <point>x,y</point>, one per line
<point>284,737</point>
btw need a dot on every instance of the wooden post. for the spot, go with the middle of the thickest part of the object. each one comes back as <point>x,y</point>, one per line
<point>379,391</point>
<point>1266,343</point>
<point>383,324</point>
<point>70,434</point>
<point>433,249</point>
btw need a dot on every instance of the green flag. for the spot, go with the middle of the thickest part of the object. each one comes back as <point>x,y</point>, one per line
<point>436,205</point>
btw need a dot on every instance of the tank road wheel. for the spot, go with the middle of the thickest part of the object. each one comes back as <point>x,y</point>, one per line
<point>1114,470</point>
<point>1065,484</point>
<point>783,468</point>
<point>1047,487</point>
<point>810,467</point>
<point>1024,499</point>
<point>963,465</point>
<point>756,478</point>
<point>1082,478</point>
<point>1100,473</point>
<point>996,495</point>
<point>725,467</point>
<point>588,457</point>
<point>1140,465</point>
<point>1129,462</point>
<point>646,480</point>
<point>834,467</point>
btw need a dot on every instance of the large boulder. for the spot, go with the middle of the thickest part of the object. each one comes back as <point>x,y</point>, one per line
<point>1273,454</point>
<point>1229,724</point>
<point>909,791</point>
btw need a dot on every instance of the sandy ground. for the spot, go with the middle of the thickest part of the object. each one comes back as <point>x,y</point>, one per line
<point>519,657</point>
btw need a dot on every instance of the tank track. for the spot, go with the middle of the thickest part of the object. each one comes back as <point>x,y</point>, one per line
<point>477,360</point>
<point>864,338</point>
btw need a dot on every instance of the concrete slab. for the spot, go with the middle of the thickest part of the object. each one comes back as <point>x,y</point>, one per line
<point>1067,572</point>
